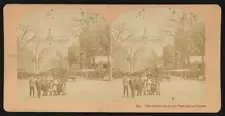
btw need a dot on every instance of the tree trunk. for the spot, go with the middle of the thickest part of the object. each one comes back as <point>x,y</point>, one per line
<point>93,61</point>
<point>131,60</point>
<point>18,55</point>
<point>203,59</point>
<point>70,65</point>
<point>131,65</point>
<point>188,60</point>
<point>109,68</point>
<point>36,67</point>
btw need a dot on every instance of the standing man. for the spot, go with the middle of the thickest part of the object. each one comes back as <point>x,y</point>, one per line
<point>64,87</point>
<point>38,87</point>
<point>45,86</point>
<point>32,85</point>
<point>125,85</point>
<point>55,86</point>
<point>157,86</point>
<point>132,85</point>
<point>138,85</point>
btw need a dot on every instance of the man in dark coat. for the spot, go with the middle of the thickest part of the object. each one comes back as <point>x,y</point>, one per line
<point>137,85</point>
<point>45,86</point>
<point>38,87</point>
<point>132,85</point>
<point>157,87</point>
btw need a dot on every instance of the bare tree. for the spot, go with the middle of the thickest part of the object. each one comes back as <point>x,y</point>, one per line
<point>118,33</point>
<point>197,40</point>
<point>83,33</point>
<point>180,21</point>
<point>100,38</point>
<point>23,39</point>
<point>105,43</point>
<point>39,54</point>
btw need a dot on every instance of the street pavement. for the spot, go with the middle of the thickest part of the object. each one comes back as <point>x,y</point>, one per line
<point>97,90</point>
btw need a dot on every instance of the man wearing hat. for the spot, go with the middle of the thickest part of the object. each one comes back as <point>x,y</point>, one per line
<point>32,86</point>
<point>125,85</point>
<point>132,85</point>
<point>38,86</point>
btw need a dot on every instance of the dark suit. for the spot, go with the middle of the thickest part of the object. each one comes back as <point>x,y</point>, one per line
<point>132,86</point>
<point>125,86</point>
<point>38,87</point>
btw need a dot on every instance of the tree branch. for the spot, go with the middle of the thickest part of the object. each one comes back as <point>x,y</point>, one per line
<point>42,54</point>
<point>28,41</point>
<point>22,37</point>
<point>135,57</point>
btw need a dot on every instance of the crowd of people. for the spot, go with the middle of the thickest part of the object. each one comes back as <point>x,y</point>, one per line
<point>140,84</point>
<point>134,83</point>
<point>46,85</point>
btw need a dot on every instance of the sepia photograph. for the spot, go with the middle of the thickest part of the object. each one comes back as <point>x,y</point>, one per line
<point>67,60</point>
<point>153,51</point>
<point>160,51</point>
<point>89,54</point>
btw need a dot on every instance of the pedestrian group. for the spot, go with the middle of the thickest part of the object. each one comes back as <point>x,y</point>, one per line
<point>145,84</point>
<point>46,86</point>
